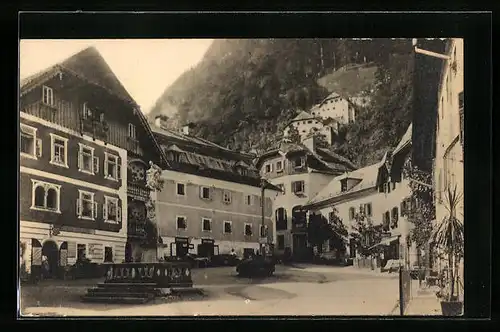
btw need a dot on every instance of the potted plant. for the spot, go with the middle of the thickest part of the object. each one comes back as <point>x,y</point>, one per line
<point>449,237</point>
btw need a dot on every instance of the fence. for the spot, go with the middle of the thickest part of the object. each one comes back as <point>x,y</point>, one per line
<point>404,289</point>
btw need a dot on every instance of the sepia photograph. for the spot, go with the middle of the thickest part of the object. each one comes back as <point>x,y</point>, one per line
<point>241,177</point>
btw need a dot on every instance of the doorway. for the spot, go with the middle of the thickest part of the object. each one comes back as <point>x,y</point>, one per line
<point>206,248</point>
<point>50,253</point>
<point>181,246</point>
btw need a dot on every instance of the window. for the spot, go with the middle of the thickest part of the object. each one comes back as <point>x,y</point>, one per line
<point>87,111</point>
<point>131,131</point>
<point>206,225</point>
<point>352,213</point>
<point>298,187</point>
<point>108,254</point>
<point>281,242</point>
<point>45,196</point>
<point>86,207</point>
<point>47,95</point>
<point>249,199</point>
<point>181,222</point>
<point>268,168</point>
<point>59,150</point>
<point>228,227</point>
<point>395,217</point>
<point>343,185</point>
<point>368,209</point>
<point>81,251</point>
<point>111,210</point>
<point>248,229</point>
<point>309,121</point>
<point>299,162</point>
<point>263,231</point>
<point>113,168</point>
<point>30,146</point>
<point>279,166</point>
<point>181,189</point>
<point>281,220</point>
<point>87,162</point>
<point>205,192</point>
<point>226,197</point>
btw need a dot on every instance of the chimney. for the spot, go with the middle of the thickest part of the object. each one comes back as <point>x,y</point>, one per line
<point>185,130</point>
<point>310,142</point>
<point>161,121</point>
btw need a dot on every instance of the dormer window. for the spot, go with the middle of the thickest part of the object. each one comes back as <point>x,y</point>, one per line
<point>279,166</point>
<point>343,185</point>
<point>299,162</point>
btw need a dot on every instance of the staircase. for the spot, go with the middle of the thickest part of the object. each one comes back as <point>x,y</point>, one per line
<point>123,293</point>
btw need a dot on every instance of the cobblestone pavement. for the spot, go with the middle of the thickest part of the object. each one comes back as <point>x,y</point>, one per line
<point>292,290</point>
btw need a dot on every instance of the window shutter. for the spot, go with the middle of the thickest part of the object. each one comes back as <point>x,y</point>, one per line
<point>96,164</point>
<point>78,207</point>
<point>118,170</point>
<point>201,192</point>
<point>80,159</point>
<point>211,193</point>
<point>105,211</point>
<point>95,210</point>
<point>38,147</point>
<point>118,211</point>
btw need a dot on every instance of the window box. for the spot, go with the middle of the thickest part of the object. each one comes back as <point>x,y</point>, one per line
<point>45,196</point>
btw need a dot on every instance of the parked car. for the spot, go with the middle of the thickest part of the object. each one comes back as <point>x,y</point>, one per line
<point>256,266</point>
<point>224,260</point>
<point>197,261</point>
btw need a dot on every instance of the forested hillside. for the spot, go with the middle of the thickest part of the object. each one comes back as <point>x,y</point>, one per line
<point>243,92</point>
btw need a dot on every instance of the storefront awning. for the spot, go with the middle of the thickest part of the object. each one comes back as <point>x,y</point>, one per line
<point>386,241</point>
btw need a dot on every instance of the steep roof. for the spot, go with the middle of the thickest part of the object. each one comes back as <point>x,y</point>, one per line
<point>90,66</point>
<point>368,176</point>
<point>404,141</point>
<point>302,116</point>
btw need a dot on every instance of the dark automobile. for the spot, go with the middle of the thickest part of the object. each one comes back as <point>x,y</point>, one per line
<point>256,266</point>
<point>197,261</point>
<point>224,260</point>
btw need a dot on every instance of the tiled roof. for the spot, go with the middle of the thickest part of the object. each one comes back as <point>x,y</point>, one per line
<point>368,176</point>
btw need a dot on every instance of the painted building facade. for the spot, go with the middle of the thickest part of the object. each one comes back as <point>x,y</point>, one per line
<point>379,192</point>
<point>301,171</point>
<point>211,199</point>
<point>75,125</point>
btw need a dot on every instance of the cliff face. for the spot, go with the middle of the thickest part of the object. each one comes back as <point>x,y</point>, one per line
<point>244,91</point>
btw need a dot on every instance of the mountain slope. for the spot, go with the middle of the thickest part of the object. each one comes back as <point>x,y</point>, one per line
<point>243,92</point>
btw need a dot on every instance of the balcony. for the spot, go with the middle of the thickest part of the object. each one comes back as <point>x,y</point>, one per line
<point>137,191</point>
<point>96,128</point>
<point>136,230</point>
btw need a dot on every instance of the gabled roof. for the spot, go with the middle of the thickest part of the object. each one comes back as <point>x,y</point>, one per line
<point>89,66</point>
<point>303,116</point>
<point>404,141</point>
<point>368,176</point>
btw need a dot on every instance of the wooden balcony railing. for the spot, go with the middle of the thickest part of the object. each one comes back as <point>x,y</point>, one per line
<point>95,128</point>
<point>137,191</point>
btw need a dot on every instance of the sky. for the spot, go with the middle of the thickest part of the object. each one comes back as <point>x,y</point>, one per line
<point>145,67</point>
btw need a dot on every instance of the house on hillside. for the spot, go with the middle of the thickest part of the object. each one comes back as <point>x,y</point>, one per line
<point>84,147</point>
<point>211,201</point>
<point>306,124</point>
<point>336,107</point>
<point>301,171</point>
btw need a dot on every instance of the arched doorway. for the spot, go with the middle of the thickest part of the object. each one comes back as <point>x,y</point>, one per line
<point>51,251</point>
